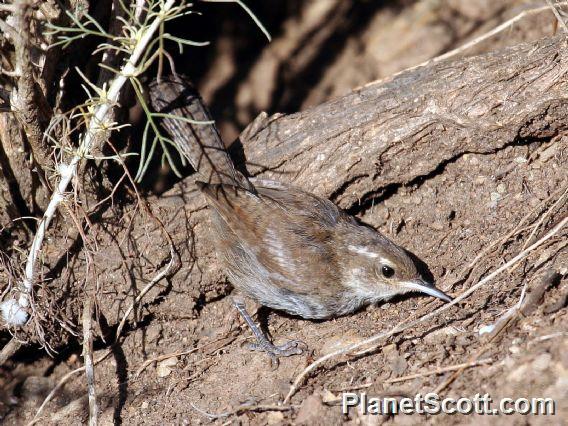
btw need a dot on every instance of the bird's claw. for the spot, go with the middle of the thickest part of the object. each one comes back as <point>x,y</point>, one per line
<point>289,348</point>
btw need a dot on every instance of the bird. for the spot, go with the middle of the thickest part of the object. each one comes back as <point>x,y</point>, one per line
<point>282,246</point>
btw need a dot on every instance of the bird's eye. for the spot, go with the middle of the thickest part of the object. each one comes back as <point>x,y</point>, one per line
<point>387,271</point>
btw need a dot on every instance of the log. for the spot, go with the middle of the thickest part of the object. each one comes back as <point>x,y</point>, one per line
<point>401,130</point>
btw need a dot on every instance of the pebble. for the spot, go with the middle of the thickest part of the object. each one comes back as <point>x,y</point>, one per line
<point>519,374</point>
<point>274,418</point>
<point>389,349</point>
<point>441,335</point>
<point>164,368</point>
<point>310,410</point>
<point>542,362</point>
<point>328,397</point>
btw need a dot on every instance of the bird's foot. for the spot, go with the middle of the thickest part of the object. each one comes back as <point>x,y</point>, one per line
<point>289,348</point>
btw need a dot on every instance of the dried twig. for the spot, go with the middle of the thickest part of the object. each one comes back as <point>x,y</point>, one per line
<point>176,354</point>
<point>440,370</point>
<point>9,350</point>
<point>241,409</point>
<point>28,99</point>
<point>408,324</point>
<point>167,271</point>
<point>557,14</point>
<point>8,29</point>
<point>90,375</point>
<point>536,227</point>
<point>88,356</point>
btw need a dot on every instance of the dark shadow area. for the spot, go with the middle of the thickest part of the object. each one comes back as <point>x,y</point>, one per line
<point>347,21</point>
<point>122,379</point>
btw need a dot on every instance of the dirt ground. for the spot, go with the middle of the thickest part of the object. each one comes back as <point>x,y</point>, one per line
<point>185,361</point>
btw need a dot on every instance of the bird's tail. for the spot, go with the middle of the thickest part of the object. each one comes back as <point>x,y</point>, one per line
<point>194,132</point>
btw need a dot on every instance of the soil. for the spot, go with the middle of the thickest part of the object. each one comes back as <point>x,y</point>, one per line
<point>465,219</point>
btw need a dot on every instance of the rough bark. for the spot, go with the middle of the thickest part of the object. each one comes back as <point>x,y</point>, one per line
<point>398,131</point>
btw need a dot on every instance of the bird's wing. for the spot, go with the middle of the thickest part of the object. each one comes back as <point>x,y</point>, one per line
<point>290,231</point>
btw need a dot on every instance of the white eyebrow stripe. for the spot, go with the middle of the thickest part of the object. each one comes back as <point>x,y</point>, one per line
<point>387,262</point>
<point>363,251</point>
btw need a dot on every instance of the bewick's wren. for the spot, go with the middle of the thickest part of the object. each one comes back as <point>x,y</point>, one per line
<point>284,247</point>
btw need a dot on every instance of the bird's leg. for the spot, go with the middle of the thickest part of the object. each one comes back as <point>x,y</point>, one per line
<point>291,347</point>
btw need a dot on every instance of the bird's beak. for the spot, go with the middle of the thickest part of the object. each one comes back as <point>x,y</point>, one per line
<point>425,287</point>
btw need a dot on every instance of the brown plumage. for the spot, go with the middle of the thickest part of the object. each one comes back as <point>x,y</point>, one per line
<point>288,249</point>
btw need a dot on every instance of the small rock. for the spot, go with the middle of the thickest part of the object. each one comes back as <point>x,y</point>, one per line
<point>495,196</point>
<point>437,226</point>
<point>310,411</point>
<point>501,188</point>
<point>389,349</point>
<point>328,397</point>
<point>440,336</point>
<point>274,418</point>
<point>462,340</point>
<point>542,362</point>
<point>164,367</point>
<point>144,405</point>
<point>518,374</point>
<point>548,153</point>
<point>398,365</point>
<point>72,359</point>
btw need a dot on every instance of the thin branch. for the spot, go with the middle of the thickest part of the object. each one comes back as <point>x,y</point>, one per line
<point>440,370</point>
<point>524,306</point>
<point>408,324</point>
<point>98,124</point>
<point>241,409</point>
<point>29,98</point>
<point>9,350</point>
<point>88,356</point>
<point>174,261</point>
<point>557,14</point>
<point>544,216</point>
<point>145,364</point>
<point>8,29</point>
